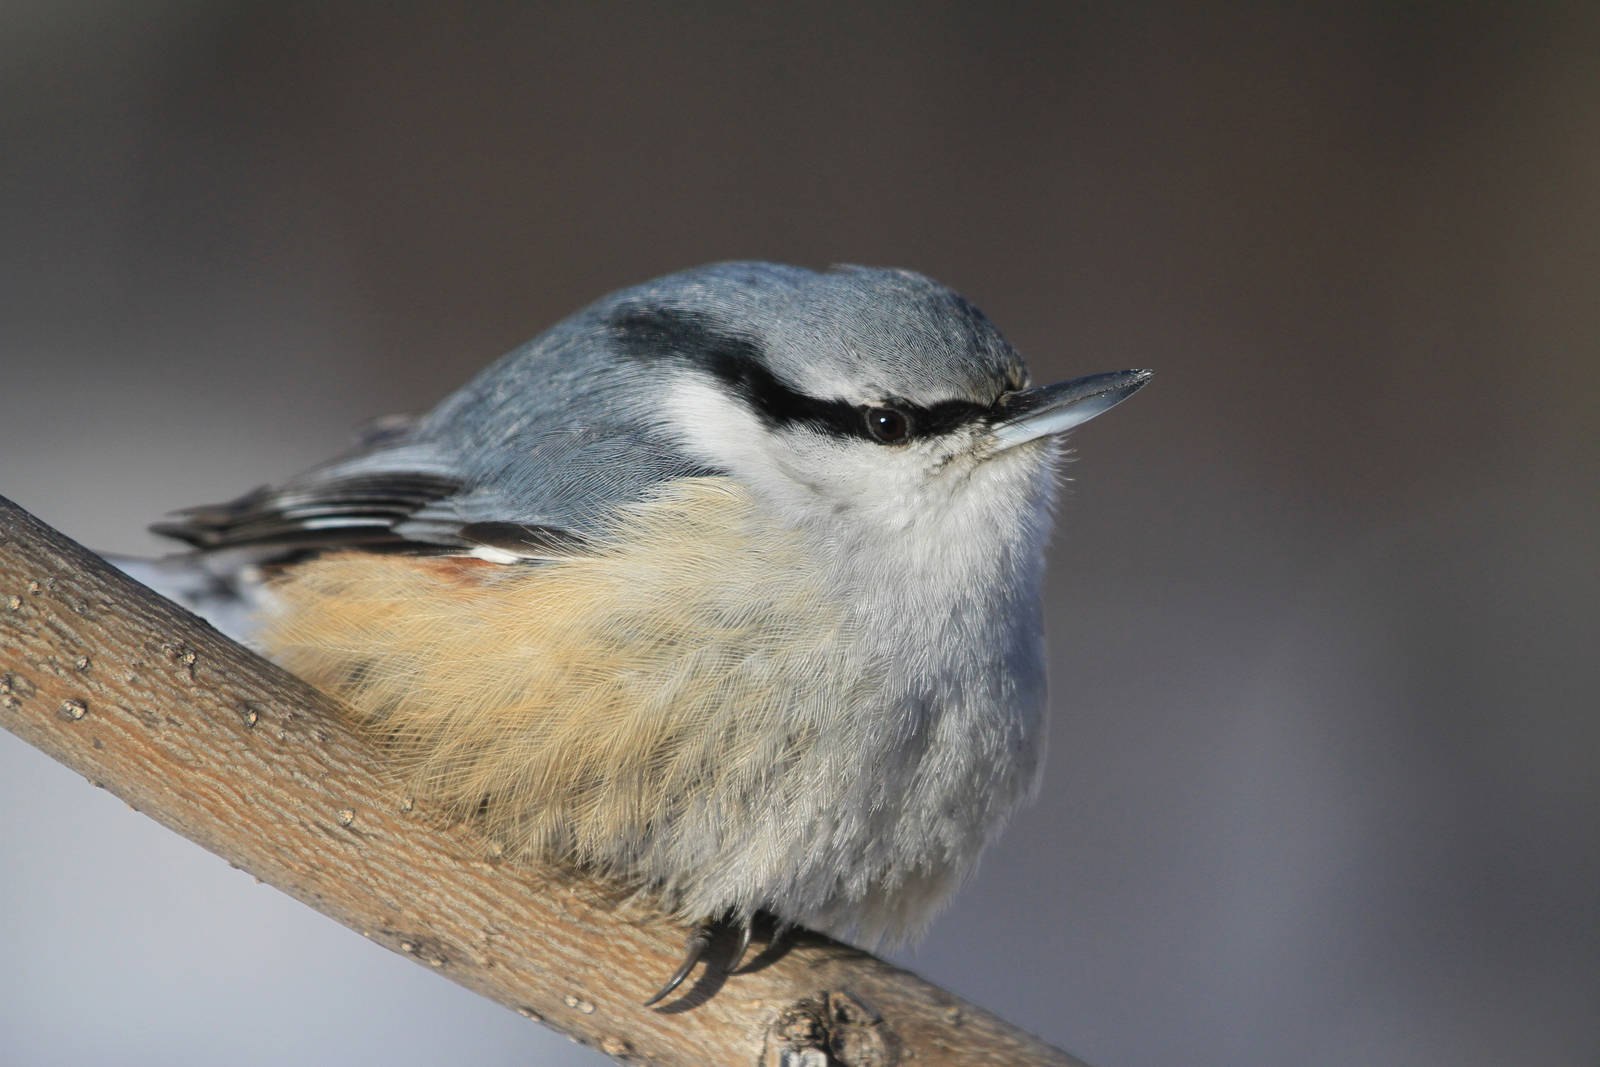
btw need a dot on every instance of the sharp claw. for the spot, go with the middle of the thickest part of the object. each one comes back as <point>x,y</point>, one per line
<point>742,947</point>
<point>694,948</point>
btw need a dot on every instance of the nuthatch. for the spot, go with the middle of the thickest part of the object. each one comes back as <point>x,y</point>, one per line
<point>727,587</point>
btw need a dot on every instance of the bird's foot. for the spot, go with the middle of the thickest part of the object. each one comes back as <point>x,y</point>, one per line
<point>694,950</point>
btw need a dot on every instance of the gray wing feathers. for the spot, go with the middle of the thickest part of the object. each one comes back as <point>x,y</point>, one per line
<point>357,501</point>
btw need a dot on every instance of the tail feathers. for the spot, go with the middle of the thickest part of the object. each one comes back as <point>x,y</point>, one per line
<point>228,597</point>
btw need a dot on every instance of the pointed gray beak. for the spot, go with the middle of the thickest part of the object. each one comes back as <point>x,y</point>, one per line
<point>1030,414</point>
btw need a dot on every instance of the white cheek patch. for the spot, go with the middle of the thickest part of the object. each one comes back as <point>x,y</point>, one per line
<point>717,428</point>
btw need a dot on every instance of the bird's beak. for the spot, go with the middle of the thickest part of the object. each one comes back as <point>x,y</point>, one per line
<point>1029,414</point>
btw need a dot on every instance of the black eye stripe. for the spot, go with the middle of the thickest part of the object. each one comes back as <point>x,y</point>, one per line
<point>947,415</point>
<point>738,361</point>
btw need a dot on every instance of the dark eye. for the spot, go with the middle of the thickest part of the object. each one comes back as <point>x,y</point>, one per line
<point>888,426</point>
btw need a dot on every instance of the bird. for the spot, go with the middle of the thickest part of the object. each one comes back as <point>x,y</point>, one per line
<point>727,587</point>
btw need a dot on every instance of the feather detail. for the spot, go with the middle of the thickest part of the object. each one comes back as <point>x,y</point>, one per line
<point>357,509</point>
<point>608,707</point>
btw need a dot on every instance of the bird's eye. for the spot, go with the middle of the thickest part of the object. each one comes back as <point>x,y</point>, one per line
<point>888,426</point>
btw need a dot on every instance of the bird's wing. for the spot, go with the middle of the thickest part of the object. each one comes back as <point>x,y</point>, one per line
<point>327,507</point>
<point>355,504</point>
<point>531,457</point>
<point>398,500</point>
<point>400,496</point>
<point>531,498</point>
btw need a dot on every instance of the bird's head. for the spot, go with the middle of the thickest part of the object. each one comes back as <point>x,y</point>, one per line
<point>866,399</point>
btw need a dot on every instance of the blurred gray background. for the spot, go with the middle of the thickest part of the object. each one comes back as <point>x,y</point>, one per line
<point>1323,599</point>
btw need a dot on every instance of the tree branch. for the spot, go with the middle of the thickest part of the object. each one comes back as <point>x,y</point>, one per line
<point>240,757</point>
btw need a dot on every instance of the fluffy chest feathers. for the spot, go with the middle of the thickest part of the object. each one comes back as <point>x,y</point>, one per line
<point>709,703</point>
